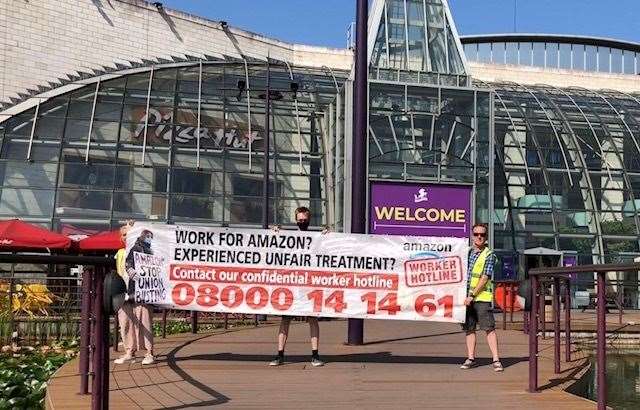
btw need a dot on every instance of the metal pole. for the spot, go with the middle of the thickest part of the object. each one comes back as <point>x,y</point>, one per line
<point>567,322</point>
<point>355,327</point>
<point>99,401</point>
<point>556,325</point>
<point>533,337</point>
<point>512,297</point>
<point>116,333</point>
<point>601,367</point>
<point>620,300</point>
<point>194,322</point>
<point>504,306</point>
<point>265,150</point>
<point>164,323</point>
<point>543,306</point>
<point>266,170</point>
<point>83,362</point>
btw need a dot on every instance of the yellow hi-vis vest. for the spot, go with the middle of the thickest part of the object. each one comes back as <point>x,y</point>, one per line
<point>120,266</point>
<point>476,273</point>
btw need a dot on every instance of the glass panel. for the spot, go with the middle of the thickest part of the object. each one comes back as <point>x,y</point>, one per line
<point>525,53</point>
<point>141,179</point>
<point>591,53</point>
<point>604,59</point>
<point>28,174</point>
<point>455,62</point>
<point>437,44</point>
<point>552,55</point>
<point>471,51</point>
<point>484,52</point>
<point>26,202</point>
<point>417,54</point>
<point>629,62</point>
<point>83,204</point>
<point>565,56</point>
<point>538,54</point>
<point>187,207</point>
<point>396,24</point>
<point>512,53</point>
<point>138,205</point>
<point>616,61</point>
<point>82,175</point>
<point>498,52</point>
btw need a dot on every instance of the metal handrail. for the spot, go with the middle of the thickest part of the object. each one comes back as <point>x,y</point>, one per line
<point>558,274</point>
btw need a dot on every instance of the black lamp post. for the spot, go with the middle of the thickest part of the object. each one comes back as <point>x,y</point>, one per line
<point>359,155</point>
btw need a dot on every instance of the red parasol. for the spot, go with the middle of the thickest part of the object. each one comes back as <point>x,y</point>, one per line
<point>103,241</point>
<point>16,235</point>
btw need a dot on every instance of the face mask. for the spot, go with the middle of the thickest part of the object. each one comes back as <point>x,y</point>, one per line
<point>147,240</point>
<point>303,225</point>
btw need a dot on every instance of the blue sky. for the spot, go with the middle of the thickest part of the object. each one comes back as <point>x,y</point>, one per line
<point>324,22</point>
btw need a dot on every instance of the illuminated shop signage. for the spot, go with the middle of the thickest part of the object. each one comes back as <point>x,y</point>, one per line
<point>420,209</point>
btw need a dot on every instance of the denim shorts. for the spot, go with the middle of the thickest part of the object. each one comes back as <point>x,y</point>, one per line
<point>479,314</point>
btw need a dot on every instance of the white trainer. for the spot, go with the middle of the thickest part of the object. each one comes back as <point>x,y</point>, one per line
<point>148,359</point>
<point>124,359</point>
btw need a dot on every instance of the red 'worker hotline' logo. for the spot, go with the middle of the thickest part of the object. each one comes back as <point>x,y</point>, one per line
<point>433,271</point>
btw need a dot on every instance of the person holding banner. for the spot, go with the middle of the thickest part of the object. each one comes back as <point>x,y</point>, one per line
<point>125,313</point>
<point>303,219</point>
<point>480,297</point>
<point>135,319</point>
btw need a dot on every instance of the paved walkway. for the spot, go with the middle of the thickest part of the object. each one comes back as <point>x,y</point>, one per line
<point>402,365</point>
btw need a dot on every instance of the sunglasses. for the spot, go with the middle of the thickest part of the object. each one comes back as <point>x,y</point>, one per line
<point>483,235</point>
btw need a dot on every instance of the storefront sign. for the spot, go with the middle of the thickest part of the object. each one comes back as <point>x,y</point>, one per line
<point>570,260</point>
<point>420,209</point>
<point>160,126</point>
<point>298,273</point>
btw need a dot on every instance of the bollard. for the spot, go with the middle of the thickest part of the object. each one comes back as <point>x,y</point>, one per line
<point>116,333</point>
<point>542,302</point>
<point>226,321</point>
<point>601,355</point>
<point>194,322</point>
<point>85,313</point>
<point>100,394</point>
<point>512,295</point>
<point>567,322</point>
<point>504,307</point>
<point>620,301</point>
<point>164,323</point>
<point>556,325</point>
<point>533,337</point>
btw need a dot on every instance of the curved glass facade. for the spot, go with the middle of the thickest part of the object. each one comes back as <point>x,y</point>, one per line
<point>567,171</point>
<point>176,144</point>
<point>555,54</point>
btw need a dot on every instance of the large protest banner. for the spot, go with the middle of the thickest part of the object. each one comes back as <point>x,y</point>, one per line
<point>298,273</point>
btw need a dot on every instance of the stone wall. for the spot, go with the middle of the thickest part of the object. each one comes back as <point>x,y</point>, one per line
<point>44,43</point>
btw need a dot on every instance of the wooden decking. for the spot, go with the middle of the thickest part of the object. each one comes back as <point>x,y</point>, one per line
<point>402,365</point>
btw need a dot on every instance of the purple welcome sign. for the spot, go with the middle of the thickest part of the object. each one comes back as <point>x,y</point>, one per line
<point>570,260</point>
<point>420,209</point>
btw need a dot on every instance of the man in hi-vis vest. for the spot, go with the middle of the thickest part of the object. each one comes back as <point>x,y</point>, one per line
<point>479,298</point>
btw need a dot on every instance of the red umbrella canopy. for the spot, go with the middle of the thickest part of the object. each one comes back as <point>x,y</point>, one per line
<point>103,241</point>
<point>15,234</point>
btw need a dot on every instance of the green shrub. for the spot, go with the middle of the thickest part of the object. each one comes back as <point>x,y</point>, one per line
<point>24,372</point>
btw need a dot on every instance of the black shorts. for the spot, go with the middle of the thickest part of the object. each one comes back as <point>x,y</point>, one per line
<point>479,314</point>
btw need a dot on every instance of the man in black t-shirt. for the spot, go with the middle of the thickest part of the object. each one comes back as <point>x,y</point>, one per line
<point>303,218</point>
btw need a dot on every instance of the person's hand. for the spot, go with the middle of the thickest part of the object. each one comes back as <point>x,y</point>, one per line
<point>131,272</point>
<point>275,228</point>
<point>325,230</point>
<point>468,300</point>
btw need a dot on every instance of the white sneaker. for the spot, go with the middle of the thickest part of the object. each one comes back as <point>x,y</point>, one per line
<point>124,359</point>
<point>148,359</point>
